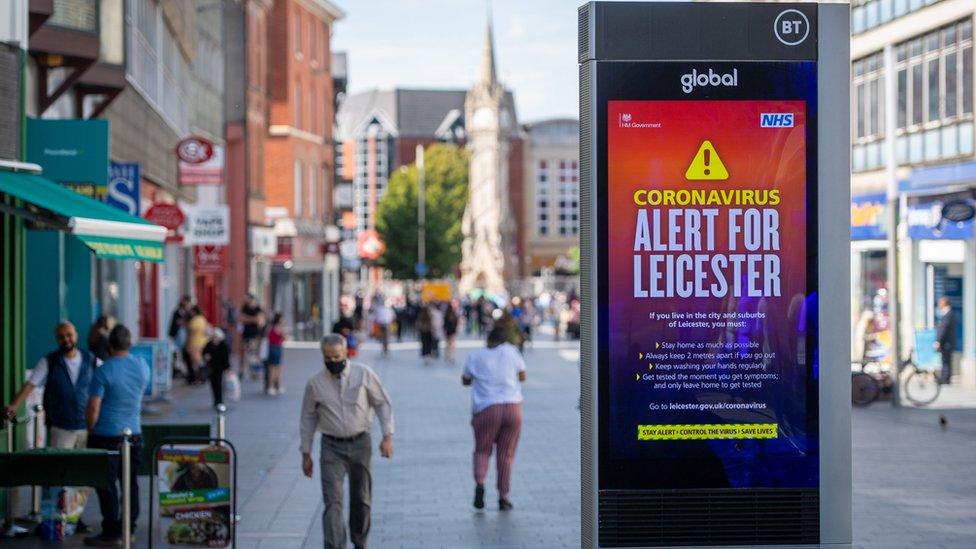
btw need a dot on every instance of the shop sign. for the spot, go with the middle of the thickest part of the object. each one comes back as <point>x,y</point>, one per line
<point>195,490</point>
<point>371,246</point>
<point>869,217</point>
<point>208,225</point>
<point>925,219</point>
<point>166,215</point>
<point>123,187</point>
<point>263,241</point>
<point>71,152</point>
<point>209,259</point>
<point>194,150</point>
<point>207,172</point>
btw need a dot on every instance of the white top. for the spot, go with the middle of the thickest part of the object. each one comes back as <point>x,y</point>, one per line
<point>494,376</point>
<point>38,376</point>
<point>384,315</point>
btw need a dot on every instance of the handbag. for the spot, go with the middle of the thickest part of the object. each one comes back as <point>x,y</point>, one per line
<point>232,385</point>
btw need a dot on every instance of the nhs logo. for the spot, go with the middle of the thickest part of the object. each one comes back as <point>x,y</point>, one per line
<point>776,120</point>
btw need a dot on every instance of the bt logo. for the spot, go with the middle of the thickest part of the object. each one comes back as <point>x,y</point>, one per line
<point>776,120</point>
<point>791,27</point>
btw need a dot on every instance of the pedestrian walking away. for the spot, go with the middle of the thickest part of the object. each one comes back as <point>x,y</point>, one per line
<point>495,375</point>
<point>451,321</point>
<point>115,404</point>
<point>340,402</point>
<point>946,338</point>
<point>383,316</point>
<point>217,357</point>
<point>65,374</point>
<point>98,337</point>
<point>276,345</point>
<point>252,324</point>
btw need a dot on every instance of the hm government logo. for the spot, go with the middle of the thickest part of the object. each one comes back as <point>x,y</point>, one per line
<point>626,120</point>
<point>695,79</point>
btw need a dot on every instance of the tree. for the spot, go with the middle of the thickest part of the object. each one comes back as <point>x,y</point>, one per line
<point>446,184</point>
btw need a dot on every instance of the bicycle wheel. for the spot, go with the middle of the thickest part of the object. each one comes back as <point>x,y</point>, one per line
<point>864,389</point>
<point>922,388</point>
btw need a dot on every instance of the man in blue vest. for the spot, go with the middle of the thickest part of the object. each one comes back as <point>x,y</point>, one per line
<point>115,404</point>
<point>65,374</point>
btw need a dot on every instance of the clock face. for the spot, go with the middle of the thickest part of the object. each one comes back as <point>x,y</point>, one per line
<point>484,118</point>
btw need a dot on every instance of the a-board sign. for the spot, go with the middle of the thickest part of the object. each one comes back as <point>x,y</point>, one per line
<point>194,496</point>
<point>703,138</point>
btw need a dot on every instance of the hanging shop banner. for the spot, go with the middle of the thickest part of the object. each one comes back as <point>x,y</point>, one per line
<point>123,187</point>
<point>209,258</point>
<point>711,296</point>
<point>71,152</point>
<point>209,171</point>
<point>207,225</point>
<point>194,502</point>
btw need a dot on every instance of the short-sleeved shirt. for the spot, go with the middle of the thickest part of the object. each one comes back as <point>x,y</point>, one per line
<point>120,383</point>
<point>38,376</point>
<point>251,328</point>
<point>494,376</point>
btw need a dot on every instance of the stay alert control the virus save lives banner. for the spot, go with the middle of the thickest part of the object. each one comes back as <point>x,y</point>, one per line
<point>708,289</point>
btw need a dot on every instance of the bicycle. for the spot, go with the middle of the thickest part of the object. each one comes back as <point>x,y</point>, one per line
<point>922,386</point>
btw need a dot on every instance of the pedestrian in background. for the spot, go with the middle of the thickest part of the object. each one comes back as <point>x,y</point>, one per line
<point>346,327</point>
<point>946,338</point>
<point>451,321</point>
<point>115,404</point>
<point>383,316</point>
<point>217,357</point>
<point>197,329</point>
<point>436,328</point>
<point>340,402</point>
<point>65,374</point>
<point>98,337</point>
<point>276,345</point>
<point>252,326</point>
<point>495,374</point>
<point>426,333</point>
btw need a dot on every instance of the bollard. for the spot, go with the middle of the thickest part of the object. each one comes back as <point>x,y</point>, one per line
<point>126,488</point>
<point>10,528</point>
<point>35,514</point>
<point>221,421</point>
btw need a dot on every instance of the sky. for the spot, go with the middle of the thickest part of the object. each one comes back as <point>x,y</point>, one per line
<point>438,43</point>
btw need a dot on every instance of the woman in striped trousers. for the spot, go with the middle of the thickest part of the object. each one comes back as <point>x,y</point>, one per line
<point>495,374</point>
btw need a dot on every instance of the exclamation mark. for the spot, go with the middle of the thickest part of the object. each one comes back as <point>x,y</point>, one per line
<point>708,156</point>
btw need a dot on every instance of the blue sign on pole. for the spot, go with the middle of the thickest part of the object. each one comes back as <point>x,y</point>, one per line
<point>123,187</point>
<point>420,269</point>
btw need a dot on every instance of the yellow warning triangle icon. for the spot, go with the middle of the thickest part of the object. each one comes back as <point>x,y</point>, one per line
<point>707,165</point>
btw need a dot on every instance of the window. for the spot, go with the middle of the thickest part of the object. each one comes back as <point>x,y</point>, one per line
<point>299,187</point>
<point>567,205</point>
<point>542,198</point>
<point>868,14</point>
<point>313,191</point>
<point>298,105</point>
<point>935,94</point>
<point>313,49</point>
<point>868,112</point>
<point>297,32</point>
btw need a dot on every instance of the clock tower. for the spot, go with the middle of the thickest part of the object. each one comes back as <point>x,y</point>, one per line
<point>488,252</point>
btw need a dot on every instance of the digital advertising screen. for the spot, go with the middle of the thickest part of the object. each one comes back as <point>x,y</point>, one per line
<point>708,369</point>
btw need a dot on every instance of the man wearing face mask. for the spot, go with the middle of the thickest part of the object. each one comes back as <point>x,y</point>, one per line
<point>65,374</point>
<point>340,402</point>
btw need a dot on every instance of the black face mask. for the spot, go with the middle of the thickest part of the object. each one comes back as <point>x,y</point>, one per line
<point>335,367</point>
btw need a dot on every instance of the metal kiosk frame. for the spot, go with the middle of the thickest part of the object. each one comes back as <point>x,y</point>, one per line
<point>638,51</point>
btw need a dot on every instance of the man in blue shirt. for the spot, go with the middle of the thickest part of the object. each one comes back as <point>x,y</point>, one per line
<point>114,404</point>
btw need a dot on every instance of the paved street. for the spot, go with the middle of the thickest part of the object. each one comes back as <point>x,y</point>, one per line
<point>915,482</point>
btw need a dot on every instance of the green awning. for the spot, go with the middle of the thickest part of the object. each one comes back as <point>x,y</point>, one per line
<point>108,231</point>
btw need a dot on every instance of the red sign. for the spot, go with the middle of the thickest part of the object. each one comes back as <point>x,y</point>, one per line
<point>371,246</point>
<point>209,259</point>
<point>194,150</point>
<point>166,215</point>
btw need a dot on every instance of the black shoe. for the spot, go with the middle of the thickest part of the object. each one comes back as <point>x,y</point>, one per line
<point>103,541</point>
<point>82,527</point>
<point>505,505</point>
<point>479,496</point>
